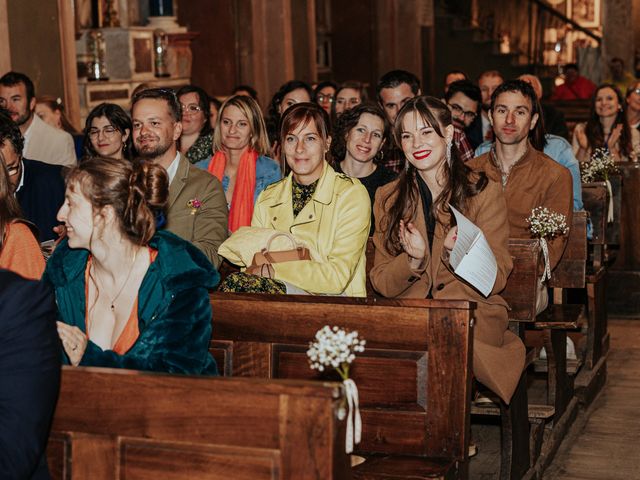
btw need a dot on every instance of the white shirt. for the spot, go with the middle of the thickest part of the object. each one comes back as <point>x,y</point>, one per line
<point>173,168</point>
<point>48,144</point>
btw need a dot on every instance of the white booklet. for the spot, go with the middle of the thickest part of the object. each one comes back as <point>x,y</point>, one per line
<point>472,258</point>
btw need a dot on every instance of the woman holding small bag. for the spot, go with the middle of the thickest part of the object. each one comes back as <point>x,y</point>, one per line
<point>327,212</point>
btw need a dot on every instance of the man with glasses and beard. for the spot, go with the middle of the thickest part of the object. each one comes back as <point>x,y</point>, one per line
<point>38,186</point>
<point>197,208</point>
<point>41,141</point>
<point>464,100</point>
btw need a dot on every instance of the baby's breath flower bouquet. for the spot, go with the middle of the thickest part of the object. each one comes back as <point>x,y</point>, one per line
<point>599,167</point>
<point>337,348</point>
<point>545,225</point>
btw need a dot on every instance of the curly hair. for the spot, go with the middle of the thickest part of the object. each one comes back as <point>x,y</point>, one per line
<point>349,120</point>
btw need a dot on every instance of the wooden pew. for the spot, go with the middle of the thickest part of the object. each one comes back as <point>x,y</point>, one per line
<point>126,424</point>
<point>414,378</point>
<point>623,279</point>
<point>575,111</point>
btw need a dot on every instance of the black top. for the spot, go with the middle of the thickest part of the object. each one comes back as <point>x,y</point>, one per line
<point>427,202</point>
<point>41,196</point>
<point>380,176</point>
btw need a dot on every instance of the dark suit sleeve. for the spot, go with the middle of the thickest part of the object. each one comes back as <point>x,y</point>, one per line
<point>29,374</point>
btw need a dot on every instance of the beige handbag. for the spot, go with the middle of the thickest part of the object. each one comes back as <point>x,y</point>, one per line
<point>266,255</point>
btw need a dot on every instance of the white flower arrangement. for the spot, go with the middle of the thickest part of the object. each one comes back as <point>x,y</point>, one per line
<point>544,223</point>
<point>334,348</point>
<point>337,348</point>
<point>598,167</point>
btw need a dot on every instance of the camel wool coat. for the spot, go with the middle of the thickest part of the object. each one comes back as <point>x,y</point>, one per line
<point>498,354</point>
<point>535,181</point>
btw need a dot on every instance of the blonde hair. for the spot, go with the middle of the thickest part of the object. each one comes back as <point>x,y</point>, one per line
<point>251,110</point>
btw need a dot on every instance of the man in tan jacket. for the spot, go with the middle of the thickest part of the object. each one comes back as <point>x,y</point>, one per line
<point>197,208</point>
<point>529,178</point>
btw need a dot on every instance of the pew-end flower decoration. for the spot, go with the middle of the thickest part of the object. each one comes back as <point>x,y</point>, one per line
<point>336,348</point>
<point>194,204</point>
<point>599,166</point>
<point>545,225</point>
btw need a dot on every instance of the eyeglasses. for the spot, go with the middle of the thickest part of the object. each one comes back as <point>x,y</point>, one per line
<point>107,132</point>
<point>190,109</point>
<point>457,109</point>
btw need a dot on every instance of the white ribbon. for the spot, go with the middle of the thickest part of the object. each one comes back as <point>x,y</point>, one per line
<point>545,253</point>
<point>610,212</point>
<point>354,422</point>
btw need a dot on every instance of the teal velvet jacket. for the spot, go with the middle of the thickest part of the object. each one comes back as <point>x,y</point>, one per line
<point>174,314</point>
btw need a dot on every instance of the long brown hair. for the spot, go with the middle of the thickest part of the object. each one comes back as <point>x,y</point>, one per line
<point>460,183</point>
<point>9,207</point>
<point>594,130</point>
<point>136,191</point>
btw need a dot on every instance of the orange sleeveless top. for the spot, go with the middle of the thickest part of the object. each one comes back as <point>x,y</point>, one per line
<point>130,332</point>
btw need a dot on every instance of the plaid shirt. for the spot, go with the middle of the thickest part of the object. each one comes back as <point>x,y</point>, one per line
<point>462,144</point>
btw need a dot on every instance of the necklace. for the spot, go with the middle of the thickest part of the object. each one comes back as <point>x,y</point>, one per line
<point>126,280</point>
<point>505,174</point>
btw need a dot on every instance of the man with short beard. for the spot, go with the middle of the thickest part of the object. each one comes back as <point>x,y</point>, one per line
<point>463,99</point>
<point>197,208</point>
<point>41,141</point>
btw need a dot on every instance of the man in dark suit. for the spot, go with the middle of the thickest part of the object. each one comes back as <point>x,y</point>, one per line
<point>29,375</point>
<point>38,186</point>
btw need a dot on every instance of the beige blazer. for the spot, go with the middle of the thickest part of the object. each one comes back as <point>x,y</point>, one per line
<point>206,226</point>
<point>498,354</point>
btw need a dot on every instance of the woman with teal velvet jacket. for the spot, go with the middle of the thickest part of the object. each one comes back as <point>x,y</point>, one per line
<point>128,296</point>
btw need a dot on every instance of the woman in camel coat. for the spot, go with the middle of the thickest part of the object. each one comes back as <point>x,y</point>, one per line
<point>415,231</point>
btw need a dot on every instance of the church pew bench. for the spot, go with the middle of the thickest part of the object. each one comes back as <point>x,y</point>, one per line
<point>117,424</point>
<point>414,378</point>
<point>596,201</point>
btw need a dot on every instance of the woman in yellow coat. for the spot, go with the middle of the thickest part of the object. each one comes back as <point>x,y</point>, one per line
<point>328,211</point>
<point>415,231</point>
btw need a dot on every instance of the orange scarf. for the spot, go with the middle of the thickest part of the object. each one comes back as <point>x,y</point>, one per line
<point>242,200</point>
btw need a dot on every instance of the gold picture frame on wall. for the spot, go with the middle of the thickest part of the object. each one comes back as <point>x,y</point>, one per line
<point>585,12</point>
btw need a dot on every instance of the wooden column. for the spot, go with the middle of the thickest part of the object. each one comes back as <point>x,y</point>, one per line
<point>66,26</point>
<point>265,45</point>
<point>399,38</point>
<point>5,51</point>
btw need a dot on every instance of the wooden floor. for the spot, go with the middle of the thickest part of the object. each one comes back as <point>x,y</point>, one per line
<point>604,442</point>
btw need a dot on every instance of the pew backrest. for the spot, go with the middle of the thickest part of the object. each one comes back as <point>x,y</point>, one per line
<point>522,284</point>
<point>596,201</point>
<point>571,270</point>
<point>414,377</point>
<point>127,424</point>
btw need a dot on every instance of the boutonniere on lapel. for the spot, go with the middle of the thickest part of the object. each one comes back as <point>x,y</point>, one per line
<point>194,204</point>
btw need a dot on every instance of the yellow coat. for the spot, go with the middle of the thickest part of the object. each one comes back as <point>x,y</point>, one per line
<point>334,224</point>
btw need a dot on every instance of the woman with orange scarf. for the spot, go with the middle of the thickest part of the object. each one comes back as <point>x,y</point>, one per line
<point>240,162</point>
